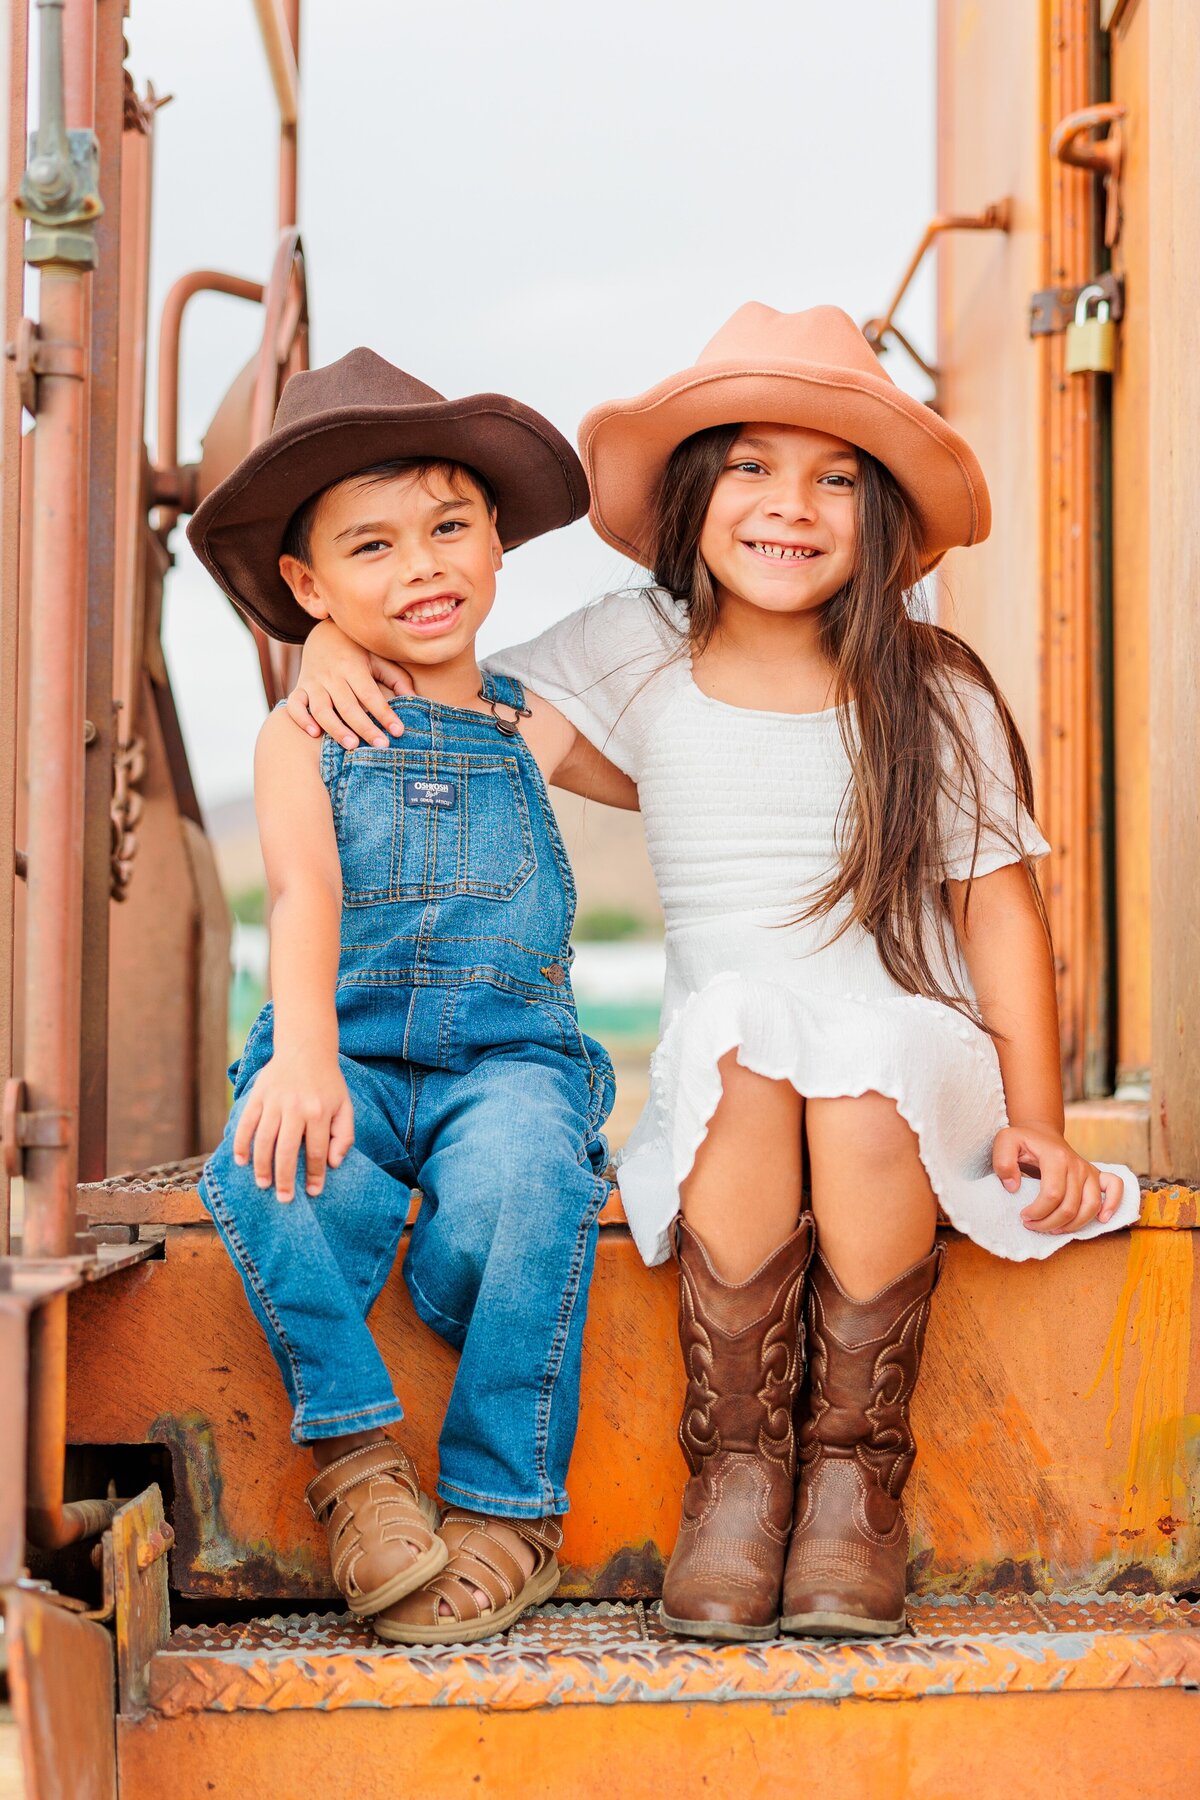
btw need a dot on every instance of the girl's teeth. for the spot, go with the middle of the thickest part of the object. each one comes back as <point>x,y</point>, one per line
<point>782,554</point>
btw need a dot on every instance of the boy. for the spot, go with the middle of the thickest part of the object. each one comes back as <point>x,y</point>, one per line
<point>422,1030</point>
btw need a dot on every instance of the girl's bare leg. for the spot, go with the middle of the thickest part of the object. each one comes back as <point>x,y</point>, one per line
<point>742,1197</point>
<point>871,1197</point>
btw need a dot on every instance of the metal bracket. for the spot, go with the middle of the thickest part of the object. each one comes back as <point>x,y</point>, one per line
<point>1051,310</point>
<point>1103,156</point>
<point>140,1538</point>
<point>23,1130</point>
<point>34,355</point>
<point>996,217</point>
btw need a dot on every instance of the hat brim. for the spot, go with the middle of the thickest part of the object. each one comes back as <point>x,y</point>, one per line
<point>237,531</point>
<point>626,444</point>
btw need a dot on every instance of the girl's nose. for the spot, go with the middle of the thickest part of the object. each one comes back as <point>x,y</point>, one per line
<point>790,500</point>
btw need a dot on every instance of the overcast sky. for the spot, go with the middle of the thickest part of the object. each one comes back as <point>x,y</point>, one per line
<point>558,201</point>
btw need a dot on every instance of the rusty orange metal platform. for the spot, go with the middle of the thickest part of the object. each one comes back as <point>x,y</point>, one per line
<point>589,1655</point>
<point>578,1700</point>
<point>1058,1417</point>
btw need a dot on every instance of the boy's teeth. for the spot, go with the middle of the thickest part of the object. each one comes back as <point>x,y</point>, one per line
<point>430,609</point>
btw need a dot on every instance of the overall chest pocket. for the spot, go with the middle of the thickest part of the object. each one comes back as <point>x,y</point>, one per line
<point>414,826</point>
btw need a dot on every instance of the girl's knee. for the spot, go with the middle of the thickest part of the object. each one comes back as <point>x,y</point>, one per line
<point>870,1124</point>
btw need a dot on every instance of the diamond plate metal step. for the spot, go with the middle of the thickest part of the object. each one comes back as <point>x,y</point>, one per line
<point>601,1654</point>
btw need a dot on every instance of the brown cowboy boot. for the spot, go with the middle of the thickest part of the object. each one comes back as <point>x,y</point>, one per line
<point>848,1557</point>
<point>743,1349</point>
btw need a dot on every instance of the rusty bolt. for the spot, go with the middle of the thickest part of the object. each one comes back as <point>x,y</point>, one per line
<point>154,1546</point>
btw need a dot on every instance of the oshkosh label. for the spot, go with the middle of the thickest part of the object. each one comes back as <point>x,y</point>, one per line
<point>418,791</point>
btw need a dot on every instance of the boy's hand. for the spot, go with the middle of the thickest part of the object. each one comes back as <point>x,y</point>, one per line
<point>295,1101</point>
<point>343,690</point>
<point>1072,1191</point>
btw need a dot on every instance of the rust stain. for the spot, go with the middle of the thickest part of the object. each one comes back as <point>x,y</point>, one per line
<point>207,1557</point>
<point>634,1573</point>
<point>1153,1318</point>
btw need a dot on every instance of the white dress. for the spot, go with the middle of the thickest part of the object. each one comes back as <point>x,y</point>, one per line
<point>740,810</point>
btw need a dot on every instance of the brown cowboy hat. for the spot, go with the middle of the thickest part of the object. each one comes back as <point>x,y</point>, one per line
<point>811,368</point>
<point>350,415</point>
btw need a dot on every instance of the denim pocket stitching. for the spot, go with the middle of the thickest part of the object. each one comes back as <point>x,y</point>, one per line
<point>394,763</point>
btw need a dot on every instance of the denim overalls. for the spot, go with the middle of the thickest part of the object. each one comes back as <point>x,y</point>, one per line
<point>471,1079</point>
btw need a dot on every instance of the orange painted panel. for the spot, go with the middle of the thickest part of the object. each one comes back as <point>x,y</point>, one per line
<point>1058,1418</point>
<point>999,1747</point>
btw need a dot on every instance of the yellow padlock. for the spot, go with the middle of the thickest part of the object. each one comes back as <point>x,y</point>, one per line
<point>1091,341</point>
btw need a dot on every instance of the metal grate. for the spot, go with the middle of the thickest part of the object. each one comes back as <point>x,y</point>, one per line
<point>605,1653</point>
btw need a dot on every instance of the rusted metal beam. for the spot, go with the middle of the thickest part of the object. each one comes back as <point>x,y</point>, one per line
<point>14,1360</point>
<point>1072,733</point>
<point>130,470</point>
<point>59,198</point>
<point>14,49</point>
<point>101,594</point>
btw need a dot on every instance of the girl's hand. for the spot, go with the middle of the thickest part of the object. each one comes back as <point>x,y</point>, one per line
<point>295,1101</point>
<point>344,690</point>
<point>1072,1191</point>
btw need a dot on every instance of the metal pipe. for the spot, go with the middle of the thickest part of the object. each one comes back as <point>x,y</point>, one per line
<point>59,197</point>
<point>13,53</point>
<point>106,306</point>
<point>997,217</point>
<point>289,130</point>
<point>50,166</point>
<point>79,63</point>
<point>51,1523</point>
<point>128,573</point>
<point>55,835</point>
<point>279,44</point>
<point>200,281</point>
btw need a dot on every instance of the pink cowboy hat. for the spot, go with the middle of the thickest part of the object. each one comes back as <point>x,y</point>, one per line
<point>811,368</point>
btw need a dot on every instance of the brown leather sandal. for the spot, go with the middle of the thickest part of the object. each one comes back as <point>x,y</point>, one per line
<point>477,1560</point>
<point>382,1529</point>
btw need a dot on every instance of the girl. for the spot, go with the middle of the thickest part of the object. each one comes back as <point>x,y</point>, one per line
<point>837,805</point>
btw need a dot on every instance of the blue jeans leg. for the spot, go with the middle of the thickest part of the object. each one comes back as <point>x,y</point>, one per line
<point>313,1268</point>
<point>500,1263</point>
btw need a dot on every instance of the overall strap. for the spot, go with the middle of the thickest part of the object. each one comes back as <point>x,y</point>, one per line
<point>506,697</point>
<point>504,690</point>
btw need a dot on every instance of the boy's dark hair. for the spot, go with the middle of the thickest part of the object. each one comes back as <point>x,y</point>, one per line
<point>297,539</point>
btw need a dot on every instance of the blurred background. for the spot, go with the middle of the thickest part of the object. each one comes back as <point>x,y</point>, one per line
<point>562,203</point>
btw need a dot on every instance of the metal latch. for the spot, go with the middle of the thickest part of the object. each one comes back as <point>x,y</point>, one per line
<point>1051,310</point>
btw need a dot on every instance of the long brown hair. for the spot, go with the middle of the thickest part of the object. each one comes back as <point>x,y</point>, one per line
<point>898,681</point>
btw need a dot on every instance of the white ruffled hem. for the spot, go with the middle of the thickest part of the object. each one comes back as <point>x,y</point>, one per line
<point>938,1069</point>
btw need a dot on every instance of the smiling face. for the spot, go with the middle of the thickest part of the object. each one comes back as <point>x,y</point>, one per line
<point>779,532</point>
<point>404,564</point>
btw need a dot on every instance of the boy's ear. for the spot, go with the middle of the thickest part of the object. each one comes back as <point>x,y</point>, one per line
<point>497,548</point>
<point>303,584</point>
